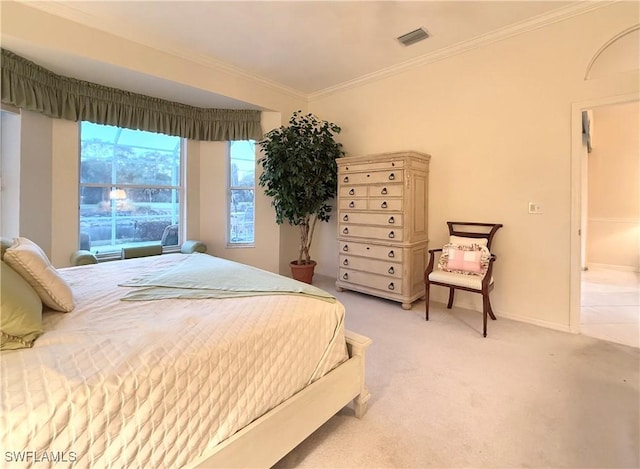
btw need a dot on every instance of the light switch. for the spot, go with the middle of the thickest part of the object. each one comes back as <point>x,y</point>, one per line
<point>535,208</point>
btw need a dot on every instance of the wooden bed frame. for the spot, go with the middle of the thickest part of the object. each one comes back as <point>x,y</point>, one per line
<point>269,438</point>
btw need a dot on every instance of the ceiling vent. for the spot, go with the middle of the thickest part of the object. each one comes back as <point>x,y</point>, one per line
<point>413,37</point>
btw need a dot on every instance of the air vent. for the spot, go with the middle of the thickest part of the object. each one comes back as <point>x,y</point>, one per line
<point>413,37</point>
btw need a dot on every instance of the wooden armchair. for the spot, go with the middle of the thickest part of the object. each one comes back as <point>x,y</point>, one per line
<point>465,263</point>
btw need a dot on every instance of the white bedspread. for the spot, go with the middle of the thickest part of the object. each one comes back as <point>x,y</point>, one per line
<point>154,383</point>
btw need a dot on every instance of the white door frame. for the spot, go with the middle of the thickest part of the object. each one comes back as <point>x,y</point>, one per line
<point>576,196</point>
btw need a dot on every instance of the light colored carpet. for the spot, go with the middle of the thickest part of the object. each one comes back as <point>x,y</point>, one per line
<point>443,396</point>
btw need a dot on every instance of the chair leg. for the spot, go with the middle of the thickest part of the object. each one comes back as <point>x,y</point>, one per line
<point>450,303</point>
<point>484,322</point>
<point>486,311</point>
<point>426,300</point>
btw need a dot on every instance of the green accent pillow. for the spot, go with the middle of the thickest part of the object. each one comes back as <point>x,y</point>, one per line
<point>141,251</point>
<point>83,257</point>
<point>20,311</point>
<point>191,246</point>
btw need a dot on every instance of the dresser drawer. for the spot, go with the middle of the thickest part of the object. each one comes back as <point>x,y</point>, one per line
<point>374,266</point>
<point>370,166</point>
<point>348,190</point>
<point>372,177</point>
<point>379,282</point>
<point>376,203</point>
<point>382,219</point>
<point>353,204</point>
<point>385,190</point>
<point>359,231</point>
<point>371,250</point>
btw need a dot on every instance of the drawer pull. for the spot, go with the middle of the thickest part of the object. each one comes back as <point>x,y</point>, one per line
<point>391,270</point>
<point>345,276</point>
<point>383,204</point>
<point>346,218</point>
<point>352,191</point>
<point>391,253</point>
<point>392,220</point>
<point>345,262</point>
<point>346,231</point>
<point>345,248</point>
<point>352,204</point>
<point>384,191</point>
<point>392,177</point>
<point>346,179</point>
<point>391,234</point>
<point>390,287</point>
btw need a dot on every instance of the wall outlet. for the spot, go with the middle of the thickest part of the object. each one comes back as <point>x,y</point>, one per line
<point>535,208</point>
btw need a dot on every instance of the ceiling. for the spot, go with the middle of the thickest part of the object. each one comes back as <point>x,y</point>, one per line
<point>305,47</point>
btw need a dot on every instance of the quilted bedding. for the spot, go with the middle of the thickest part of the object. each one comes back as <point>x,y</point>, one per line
<point>155,383</point>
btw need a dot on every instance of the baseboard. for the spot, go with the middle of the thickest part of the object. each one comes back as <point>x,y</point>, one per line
<point>502,314</point>
<point>623,268</point>
<point>535,322</point>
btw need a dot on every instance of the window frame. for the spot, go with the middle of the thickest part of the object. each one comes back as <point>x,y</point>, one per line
<point>230,188</point>
<point>180,189</point>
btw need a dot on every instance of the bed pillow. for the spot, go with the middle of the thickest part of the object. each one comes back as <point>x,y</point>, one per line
<point>5,243</point>
<point>467,259</point>
<point>20,311</point>
<point>26,258</point>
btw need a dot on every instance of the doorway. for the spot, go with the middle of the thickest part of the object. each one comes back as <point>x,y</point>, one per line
<point>605,284</point>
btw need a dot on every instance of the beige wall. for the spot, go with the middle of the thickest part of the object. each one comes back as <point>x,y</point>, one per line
<point>9,173</point>
<point>36,186</point>
<point>74,42</point>
<point>613,235</point>
<point>49,156</point>
<point>497,122</point>
<point>213,209</point>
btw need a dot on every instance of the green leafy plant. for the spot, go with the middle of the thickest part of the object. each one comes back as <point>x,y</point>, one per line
<point>300,173</point>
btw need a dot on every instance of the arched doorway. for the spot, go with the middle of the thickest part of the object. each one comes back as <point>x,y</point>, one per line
<point>618,56</point>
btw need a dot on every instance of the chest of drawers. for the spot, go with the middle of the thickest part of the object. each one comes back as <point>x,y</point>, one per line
<point>382,225</point>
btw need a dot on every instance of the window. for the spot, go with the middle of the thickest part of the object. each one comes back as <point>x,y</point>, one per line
<point>241,194</point>
<point>130,188</point>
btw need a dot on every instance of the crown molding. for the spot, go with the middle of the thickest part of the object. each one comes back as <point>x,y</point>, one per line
<point>66,11</point>
<point>522,27</point>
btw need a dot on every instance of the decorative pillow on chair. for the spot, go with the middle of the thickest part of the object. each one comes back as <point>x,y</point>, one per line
<point>453,239</point>
<point>26,258</point>
<point>467,259</point>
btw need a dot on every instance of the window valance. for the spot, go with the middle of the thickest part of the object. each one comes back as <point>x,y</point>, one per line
<point>30,86</point>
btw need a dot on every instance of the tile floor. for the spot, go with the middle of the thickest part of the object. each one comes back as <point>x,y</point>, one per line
<point>610,305</point>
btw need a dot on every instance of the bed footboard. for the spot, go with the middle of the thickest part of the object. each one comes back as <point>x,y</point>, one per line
<point>266,440</point>
<point>357,345</point>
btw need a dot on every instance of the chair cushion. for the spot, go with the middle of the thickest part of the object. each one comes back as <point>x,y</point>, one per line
<point>459,280</point>
<point>464,259</point>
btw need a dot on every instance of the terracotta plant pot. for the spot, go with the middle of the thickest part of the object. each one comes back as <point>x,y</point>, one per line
<point>302,272</point>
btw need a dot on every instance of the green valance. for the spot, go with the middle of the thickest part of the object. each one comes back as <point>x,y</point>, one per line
<point>30,86</point>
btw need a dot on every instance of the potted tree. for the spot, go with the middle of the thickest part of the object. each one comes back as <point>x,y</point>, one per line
<point>300,175</point>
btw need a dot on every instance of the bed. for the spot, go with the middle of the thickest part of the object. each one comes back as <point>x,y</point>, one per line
<point>156,367</point>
